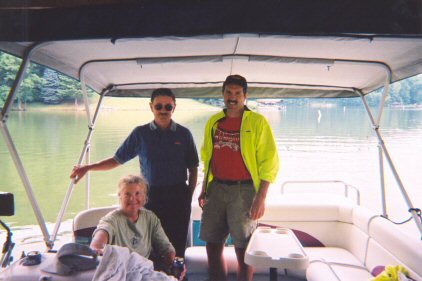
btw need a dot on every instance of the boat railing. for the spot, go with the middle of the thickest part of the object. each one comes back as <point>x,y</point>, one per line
<point>347,187</point>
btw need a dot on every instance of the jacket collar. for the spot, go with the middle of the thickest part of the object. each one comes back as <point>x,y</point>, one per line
<point>245,108</point>
<point>223,113</point>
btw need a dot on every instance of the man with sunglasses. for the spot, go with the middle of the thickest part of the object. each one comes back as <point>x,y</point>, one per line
<point>168,158</point>
<point>240,161</point>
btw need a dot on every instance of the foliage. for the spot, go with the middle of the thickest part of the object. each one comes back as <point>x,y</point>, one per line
<point>70,88</point>
<point>40,84</point>
<point>50,89</point>
<point>31,85</point>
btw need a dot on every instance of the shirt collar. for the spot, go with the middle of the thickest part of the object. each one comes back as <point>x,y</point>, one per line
<point>173,126</point>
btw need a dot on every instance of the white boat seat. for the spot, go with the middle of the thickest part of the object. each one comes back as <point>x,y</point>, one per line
<point>355,240</point>
<point>322,271</point>
<point>332,255</point>
<point>196,259</point>
<point>86,221</point>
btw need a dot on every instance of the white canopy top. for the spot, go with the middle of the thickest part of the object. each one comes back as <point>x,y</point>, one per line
<point>282,66</point>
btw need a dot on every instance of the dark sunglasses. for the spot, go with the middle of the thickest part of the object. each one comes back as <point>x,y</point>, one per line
<point>167,107</point>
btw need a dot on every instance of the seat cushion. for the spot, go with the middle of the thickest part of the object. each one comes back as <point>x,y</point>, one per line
<point>332,255</point>
<point>86,222</point>
<point>322,271</point>
<point>331,263</point>
<point>348,273</point>
<point>232,277</point>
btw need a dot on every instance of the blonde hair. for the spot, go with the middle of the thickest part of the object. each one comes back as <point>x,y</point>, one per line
<point>133,179</point>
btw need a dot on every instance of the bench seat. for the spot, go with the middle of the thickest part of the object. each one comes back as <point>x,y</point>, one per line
<point>342,240</point>
<point>355,241</point>
<point>321,271</point>
<point>196,261</point>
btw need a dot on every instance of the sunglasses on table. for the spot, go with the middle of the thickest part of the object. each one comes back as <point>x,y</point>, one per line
<point>167,107</point>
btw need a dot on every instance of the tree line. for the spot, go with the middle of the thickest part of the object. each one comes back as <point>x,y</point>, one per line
<point>43,85</point>
<point>40,84</point>
<point>405,92</point>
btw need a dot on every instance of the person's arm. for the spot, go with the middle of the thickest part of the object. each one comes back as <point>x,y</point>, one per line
<point>193,179</point>
<point>99,241</point>
<point>160,243</point>
<point>267,157</point>
<point>206,155</point>
<point>168,260</point>
<point>201,197</point>
<point>79,172</point>
<point>258,204</point>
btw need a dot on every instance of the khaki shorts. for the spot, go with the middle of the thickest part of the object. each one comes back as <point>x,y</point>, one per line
<point>227,210</point>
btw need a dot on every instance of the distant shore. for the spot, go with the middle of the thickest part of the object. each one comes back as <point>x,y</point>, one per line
<point>142,104</point>
<point>112,103</point>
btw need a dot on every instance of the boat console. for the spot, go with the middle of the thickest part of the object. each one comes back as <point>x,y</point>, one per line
<point>18,271</point>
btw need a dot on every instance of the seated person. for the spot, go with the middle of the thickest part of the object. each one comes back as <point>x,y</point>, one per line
<point>134,227</point>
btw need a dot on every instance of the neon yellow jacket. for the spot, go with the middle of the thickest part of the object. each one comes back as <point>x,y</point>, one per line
<point>257,145</point>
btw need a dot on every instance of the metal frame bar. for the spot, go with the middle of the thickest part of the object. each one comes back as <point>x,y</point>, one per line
<point>7,247</point>
<point>80,161</point>
<point>380,153</point>
<point>85,96</point>
<point>382,181</point>
<point>88,180</point>
<point>221,58</point>
<point>88,151</point>
<point>384,95</point>
<point>4,115</point>
<point>346,187</point>
<point>385,152</point>
<point>232,56</point>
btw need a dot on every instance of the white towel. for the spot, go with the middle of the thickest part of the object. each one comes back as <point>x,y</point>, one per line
<point>119,264</point>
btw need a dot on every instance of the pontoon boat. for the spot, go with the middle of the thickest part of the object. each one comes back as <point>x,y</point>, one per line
<point>337,238</point>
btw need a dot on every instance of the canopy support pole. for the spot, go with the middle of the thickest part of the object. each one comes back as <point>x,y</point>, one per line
<point>4,115</point>
<point>383,147</point>
<point>380,153</point>
<point>88,151</point>
<point>88,180</point>
<point>80,161</point>
<point>382,181</point>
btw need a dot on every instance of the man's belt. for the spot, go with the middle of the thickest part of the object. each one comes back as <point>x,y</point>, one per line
<point>230,182</point>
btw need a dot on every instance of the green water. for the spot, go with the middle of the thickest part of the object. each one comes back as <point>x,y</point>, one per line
<point>338,145</point>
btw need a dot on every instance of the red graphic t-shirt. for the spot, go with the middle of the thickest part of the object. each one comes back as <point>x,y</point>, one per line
<point>227,162</point>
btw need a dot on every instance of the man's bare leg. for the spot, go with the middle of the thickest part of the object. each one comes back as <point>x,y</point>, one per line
<point>216,264</point>
<point>244,271</point>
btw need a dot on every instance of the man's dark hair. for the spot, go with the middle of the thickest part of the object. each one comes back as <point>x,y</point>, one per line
<point>236,80</point>
<point>162,92</point>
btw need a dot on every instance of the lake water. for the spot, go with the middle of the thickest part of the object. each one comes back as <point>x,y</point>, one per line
<point>315,143</point>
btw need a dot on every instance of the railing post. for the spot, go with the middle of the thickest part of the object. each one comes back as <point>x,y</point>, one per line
<point>382,181</point>
<point>392,168</point>
<point>81,159</point>
<point>4,115</point>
